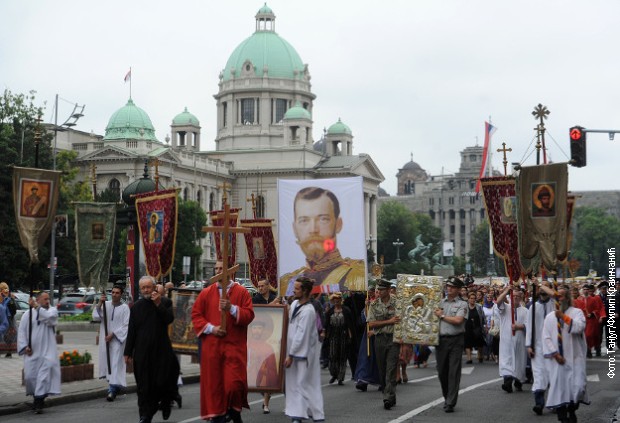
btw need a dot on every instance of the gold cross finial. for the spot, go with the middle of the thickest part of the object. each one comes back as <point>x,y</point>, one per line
<point>504,150</point>
<point>225,186</point>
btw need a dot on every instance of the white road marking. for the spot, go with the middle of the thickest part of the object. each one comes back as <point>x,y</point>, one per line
<point>593,378</point>
<point>467,370</point>
<point>438,401</point>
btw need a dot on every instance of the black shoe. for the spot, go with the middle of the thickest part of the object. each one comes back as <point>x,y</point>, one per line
<point>166,410</point>
<point>235,416</point>
<point>38,406</point>
<point>518,385</point>
<point>387,404</point>
<point>111,396</point>
<point>589,354</point>
<point>361,386</point>
<point>179,400</point>
<point>538,409</point>
<point>507,386</point>
<point>144,419</point>
<point>341,382</point>
<point>332,380</point>
<point>449,409</point>
<point>469,362</point>
<point>9,355</point>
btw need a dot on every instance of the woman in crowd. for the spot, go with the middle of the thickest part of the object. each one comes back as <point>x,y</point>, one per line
<point>474,328</point>
<point>8,340</point>
<point>338,335</point>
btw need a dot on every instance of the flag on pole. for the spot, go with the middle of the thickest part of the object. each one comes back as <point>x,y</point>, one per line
<point>128,75</point>
<point>488,133</point>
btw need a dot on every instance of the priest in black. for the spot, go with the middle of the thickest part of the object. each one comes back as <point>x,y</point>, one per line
<point>155,365</point>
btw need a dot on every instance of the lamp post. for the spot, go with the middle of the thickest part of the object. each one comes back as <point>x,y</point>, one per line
<point>398,243</point>
<point>68,123</point>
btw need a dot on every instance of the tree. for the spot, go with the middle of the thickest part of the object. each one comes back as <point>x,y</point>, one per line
<point>479,252</point>
<point>192,218</point>
<point>595,232</point>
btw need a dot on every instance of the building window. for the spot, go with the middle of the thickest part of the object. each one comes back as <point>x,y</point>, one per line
<point>431,201</point>
<point>482,214</point>
<point>472,184</point>
<point>472,158</point>
<point>452,214</point>
<point>431,213</point>
<point>211,201</point>
<point>451,201</point>
<point>472,214</point>
<point>260,206</point>
<point>224,114</point>
<point>280,109</point>
<point>462,229</point>
<point>186,194</point>
<point>472,200</point>
<point>198,198</point>
<point>247,111</point>
<point>115,188</point>
<point>451,229</point>
<point>462,214</point>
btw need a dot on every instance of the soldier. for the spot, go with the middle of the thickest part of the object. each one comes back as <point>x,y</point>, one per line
<point>381,320</point>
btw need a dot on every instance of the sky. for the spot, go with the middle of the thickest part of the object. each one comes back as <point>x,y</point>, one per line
<point>407,76</point>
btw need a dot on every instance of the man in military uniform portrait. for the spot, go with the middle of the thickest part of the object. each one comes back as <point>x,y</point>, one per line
<point>316,224</point>
<point>543,198</point>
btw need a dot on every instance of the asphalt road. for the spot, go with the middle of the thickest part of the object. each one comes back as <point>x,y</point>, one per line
<point>481,400</point>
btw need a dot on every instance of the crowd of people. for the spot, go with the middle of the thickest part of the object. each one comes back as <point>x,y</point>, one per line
<point>543,341</point>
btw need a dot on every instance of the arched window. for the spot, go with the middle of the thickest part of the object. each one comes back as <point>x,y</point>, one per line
<point>260,206</point>
<point>115,187</point>
<point>211,201</point>
<point>186,194</point>
<point>199,198</point>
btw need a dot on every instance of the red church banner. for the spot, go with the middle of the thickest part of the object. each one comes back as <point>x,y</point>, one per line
<point>500,202</point>
<point>157,222</point>
<point>261,249</point>
<point>217,219</point>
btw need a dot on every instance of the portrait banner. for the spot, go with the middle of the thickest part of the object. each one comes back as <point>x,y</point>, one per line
<point>267,348</point>
<point>35,198</point>
<point>416,299</point>
<point>157,223</point>
<point>499,195</point>
<point>181,331</point>
<point>542,202</point>
<point>217,219</point>
<point>261,249</point>
<point>95,224</point>
<point>321,234</point>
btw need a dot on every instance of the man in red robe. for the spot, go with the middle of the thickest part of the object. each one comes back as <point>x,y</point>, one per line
<point>223,359</point>
<point>594,310</point>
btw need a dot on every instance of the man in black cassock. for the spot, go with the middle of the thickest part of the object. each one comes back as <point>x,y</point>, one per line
<point>155,365</point>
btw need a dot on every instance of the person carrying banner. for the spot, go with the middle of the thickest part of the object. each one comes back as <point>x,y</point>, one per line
<point>452,313</point>
<point>41,364</point>
<point>303,372</point>
<point>566,361</point>
<point>512,351</point>
<point>113,344</point>
<point>155,366</point>
<point>223,360</point>
<point>381,320</point>
<point>316,224</point>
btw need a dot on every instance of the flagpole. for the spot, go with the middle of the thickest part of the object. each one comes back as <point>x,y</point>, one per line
<point>130,88</point>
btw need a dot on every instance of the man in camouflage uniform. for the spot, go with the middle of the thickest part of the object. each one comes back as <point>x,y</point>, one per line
<point>381,319</point>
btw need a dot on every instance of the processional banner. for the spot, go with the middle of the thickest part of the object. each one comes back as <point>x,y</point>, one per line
<point>181,331</point>
<point>217,219</point>
<point>500,202</point>
<point>261,247</point>
<point>416,299</point>
<point>35,197</point>
<point>542,200</point>
<point>157,222</point>
<point>95,224</point>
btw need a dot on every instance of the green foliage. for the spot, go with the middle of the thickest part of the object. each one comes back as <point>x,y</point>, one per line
<point>192,218</point>
<point>479,252</point>
<point>395,221</point>
<point>595,232</point>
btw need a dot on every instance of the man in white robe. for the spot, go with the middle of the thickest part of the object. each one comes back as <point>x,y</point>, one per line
<point>512,352</point>
<point>41,363</point>
<point>117,315</point>
<point>542,307</point>
<point>566,364</point>
<point>304,398</point>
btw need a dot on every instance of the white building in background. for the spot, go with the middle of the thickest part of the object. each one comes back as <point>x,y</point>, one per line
<point>264,132</point>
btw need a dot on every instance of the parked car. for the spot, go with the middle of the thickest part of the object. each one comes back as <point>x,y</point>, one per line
<point>22,307</point>
<point>77,303</point>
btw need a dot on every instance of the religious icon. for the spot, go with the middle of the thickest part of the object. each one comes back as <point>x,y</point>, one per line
<point>543,199</point>
<point>267,348</point>
<point>258,248</point>
<point>155,226</point>
<point>34,198</point>
<point>97,231</point>
<point>181,331</point>
<point>509,208</point>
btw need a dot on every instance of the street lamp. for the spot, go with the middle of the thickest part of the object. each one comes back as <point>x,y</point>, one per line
<point>71,121</point>
<point>398,243</point>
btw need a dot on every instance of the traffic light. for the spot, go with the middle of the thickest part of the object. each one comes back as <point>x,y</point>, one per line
<point>577,146</point>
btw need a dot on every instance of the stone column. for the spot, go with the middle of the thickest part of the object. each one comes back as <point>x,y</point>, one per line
<point>373,223</point>
<point>366,215</point>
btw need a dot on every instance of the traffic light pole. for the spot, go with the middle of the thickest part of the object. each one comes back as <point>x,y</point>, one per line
<point>611,132</point>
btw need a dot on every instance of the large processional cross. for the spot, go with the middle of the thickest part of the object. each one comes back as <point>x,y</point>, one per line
<point>224,277</point>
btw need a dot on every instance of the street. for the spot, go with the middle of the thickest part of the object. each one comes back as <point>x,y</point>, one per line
<point>481,399</point>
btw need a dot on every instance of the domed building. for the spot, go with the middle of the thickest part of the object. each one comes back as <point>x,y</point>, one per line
<point>264,132</point>
<point>407,177</point>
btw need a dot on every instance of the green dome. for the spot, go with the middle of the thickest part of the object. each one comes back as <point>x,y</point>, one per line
<point>265,10</point>
<point>297,112</point>
<point>339,128</point>
<point>265,48</point>
<point>130,122</point>
<point>185,118</point>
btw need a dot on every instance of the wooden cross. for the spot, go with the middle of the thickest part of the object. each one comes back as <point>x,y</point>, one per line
<point>225,185</point>
<point>155,162</point>
<point>253,200</point>
<point>227,272</point>
<point>93,179</point>
<point>504,150</point>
